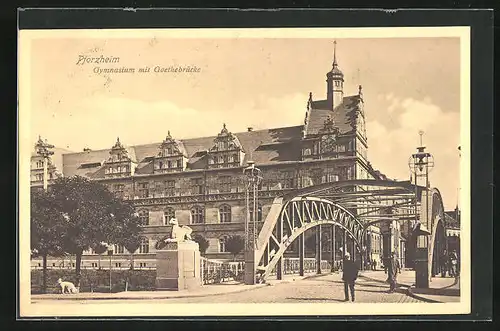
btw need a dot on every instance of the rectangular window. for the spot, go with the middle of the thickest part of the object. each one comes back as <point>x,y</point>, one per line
<point>170,187</point>
<point>331,177</point>
<point>118,265</point>
<point>118,190</point>
<point>119,249</point>
<point>143,190</point>
<point>287,179</point>
<point>144,247</point>
<point>179,163</point>
<point>197,186</point>
<point>225,184</point>
<point>94,265</point>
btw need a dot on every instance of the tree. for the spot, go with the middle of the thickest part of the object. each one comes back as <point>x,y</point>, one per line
<point>202,242</point>
<point>100,249</point>
<point>234,245</point>
<point>93,215</point>
<point>132,244</point>
<point>47,224</point>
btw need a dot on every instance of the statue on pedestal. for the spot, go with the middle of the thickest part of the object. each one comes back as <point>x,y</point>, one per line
<point>180,233</point>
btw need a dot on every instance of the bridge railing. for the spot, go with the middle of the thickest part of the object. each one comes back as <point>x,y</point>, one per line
<point>216,271</point>
<point>292,266</point>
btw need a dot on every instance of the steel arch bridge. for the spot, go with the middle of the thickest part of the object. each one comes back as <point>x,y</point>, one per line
<point>353,206</point>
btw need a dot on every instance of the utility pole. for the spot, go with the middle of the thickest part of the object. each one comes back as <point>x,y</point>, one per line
<point>43,148</point>
<point>253,179</point>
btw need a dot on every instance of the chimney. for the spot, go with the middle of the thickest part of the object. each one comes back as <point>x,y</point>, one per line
<point>250,129</point>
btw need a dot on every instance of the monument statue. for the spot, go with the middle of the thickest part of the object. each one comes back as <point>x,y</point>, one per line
<point>180,233</point>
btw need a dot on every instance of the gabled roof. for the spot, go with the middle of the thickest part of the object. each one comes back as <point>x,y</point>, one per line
<point>341,115</point>
<point>262,146</point>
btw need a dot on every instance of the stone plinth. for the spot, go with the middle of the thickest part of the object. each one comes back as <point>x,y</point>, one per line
<point>178,266</point>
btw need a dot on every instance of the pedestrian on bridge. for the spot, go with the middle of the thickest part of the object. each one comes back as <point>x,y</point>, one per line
<point>392,270</point>
<point>349,276</point>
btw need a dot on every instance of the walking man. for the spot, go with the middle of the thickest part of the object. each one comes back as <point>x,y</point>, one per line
<point>444,261</point>
<point>349,276</point>
<point>392,270</point>
<point>453,260</point>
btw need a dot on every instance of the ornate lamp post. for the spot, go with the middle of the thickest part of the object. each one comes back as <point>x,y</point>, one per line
<point>253,177</point>
<point>420,164</point>
<point>43,149</point>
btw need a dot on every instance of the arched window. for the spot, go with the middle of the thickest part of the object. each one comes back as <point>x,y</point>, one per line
<point>169,214</point>
<point>259,213</point>
<point>225,214</point>
<point>197,215</point>
<point>144,217</point>
<point>160,165</point>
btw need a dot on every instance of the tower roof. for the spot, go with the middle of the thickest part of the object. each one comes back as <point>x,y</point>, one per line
<point>335,67</point>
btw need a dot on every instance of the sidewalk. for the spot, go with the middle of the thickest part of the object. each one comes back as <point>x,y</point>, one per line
<point>440,289</point>
<point>206,290</point>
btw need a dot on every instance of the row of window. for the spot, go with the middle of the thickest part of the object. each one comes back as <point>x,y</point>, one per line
<point>169,164</point>
<point>223,159</point>
<point>117,170</point>
<point>39,177</point>
<point>197,215</point>
<point>225,184</point>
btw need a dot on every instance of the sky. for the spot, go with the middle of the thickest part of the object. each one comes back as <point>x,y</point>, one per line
<point>409,84</point>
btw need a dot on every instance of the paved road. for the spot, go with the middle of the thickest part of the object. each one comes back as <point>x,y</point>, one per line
<point>324,289</point>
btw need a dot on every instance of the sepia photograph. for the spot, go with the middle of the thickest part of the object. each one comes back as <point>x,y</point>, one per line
<point>243,172</point>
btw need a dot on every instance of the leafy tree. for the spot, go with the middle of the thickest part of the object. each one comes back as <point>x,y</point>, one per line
<point>47,224</point>
<point>93,215</point>
<point>132,244</point>
<point>202,242</point>
<point>234,245</point>
<point>100,249</point>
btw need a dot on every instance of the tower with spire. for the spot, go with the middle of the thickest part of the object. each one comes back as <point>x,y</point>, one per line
<point>334,82</point>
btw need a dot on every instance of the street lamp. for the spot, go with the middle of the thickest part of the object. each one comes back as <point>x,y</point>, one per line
<point>43,149</point>
<point>253,178</point>
<point>420,164</point>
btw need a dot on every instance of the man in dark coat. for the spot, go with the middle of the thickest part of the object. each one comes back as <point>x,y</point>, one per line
<point>392,270</point>
<point>349,276</point>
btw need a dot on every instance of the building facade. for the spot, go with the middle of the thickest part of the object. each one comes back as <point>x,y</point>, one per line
<point>200,181</point>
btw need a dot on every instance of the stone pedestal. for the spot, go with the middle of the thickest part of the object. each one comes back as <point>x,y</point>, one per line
<point>178,267</point>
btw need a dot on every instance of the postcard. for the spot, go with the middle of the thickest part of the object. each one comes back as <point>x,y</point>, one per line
<point>244,172</point>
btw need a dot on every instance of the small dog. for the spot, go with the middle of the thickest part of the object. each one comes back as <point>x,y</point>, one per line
<point>67,286</point>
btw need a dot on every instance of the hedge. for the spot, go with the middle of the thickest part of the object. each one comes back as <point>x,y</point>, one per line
<point>93,280</point>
